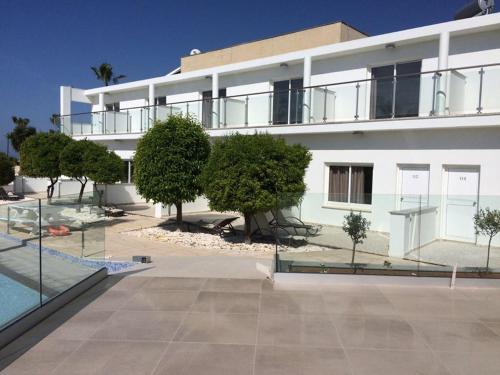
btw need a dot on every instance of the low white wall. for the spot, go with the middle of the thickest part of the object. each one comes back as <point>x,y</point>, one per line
<point>27,185</point>
<point>121,194</point>
<point>199,205</point>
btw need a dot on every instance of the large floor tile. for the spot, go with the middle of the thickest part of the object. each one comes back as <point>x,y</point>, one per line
<point>292,303</point>
<point>392,362</point>
<point>279,360</point>
<point>372,332</point>
<point>227,302</point>
<point>234,285</point>
<point>301,330</point>
<point>206,359</point>
<point>218,328</point>
<point>113,357</point>
<point>174,283</point>
<point>471,363</point>
<point>457,336</point>
<point>42,358</point>
<point>140,325</point>
<point>158,300</point>
<point>109,300</point>
<point>340,303</point>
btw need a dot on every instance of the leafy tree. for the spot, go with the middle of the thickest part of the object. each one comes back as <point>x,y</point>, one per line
<point>77,161</point>
<point>254,173</point>
<point>40,157</point>
<point>356,226</point>
<point>487,223</point>
<point>55,119</point>
<point>104,73</point>
<point>169,160</point>
<point>21,132</point>
<point>6,170</point>
<point>106,168</point>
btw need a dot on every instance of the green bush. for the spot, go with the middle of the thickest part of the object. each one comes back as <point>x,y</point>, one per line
<point>6,170</point>
<point>356,226</point>
<point>254,173</point>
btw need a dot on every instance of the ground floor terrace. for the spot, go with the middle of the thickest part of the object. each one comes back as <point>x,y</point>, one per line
<point>165,325</point>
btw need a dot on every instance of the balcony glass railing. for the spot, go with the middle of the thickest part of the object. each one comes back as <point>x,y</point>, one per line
<point>452,92</point>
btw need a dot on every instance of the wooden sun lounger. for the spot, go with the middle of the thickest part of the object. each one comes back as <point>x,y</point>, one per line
<point>8,197</point>
<point>222,227</point>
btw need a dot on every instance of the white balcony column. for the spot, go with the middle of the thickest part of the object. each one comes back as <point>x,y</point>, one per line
<point>215,102</point>
<point>65,109</point>
<point>442,86</point>
<point>101,122</point>
<point>306,113</point>
<point>101,102</point>
<point>151,102</point>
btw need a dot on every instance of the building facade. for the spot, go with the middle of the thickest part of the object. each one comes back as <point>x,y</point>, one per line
<point>396,123</point>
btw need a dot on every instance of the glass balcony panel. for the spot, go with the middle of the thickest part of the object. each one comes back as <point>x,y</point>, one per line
<point>463,91</point>
<point>259,109</point>
<point>490,98</point>
<point>234,112</point>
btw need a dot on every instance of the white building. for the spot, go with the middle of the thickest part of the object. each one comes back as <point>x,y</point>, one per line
<point>393,121</point>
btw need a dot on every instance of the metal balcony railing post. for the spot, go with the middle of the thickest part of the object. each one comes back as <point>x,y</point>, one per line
<point>140,113</point>
<point>187,109</point>
<point>114,122</point>
<point>246,111</point>
<point>324,104</point>
<point>356,116</point>
<point>297,106</point>
<point>270,109</point>
<point>225,112</point>
<point>435,78</point>
<point>128,122</point>
<point>480,103</point>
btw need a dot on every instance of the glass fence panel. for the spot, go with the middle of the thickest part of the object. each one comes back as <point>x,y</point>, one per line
<point>407,234</point>
<point>259,109</point>
<point>19,260</point>
<point>234,112</point>
<point>72,240</point>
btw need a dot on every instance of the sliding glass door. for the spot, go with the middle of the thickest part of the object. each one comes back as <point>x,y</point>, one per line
<point>395,90</point>
<point>288,100</point>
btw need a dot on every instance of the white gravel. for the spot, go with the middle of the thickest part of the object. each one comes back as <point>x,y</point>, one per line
<point>232,244</point>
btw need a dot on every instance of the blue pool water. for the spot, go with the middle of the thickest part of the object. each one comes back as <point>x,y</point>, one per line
<point>15,299</point>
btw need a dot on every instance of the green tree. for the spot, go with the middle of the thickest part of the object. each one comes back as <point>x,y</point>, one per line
<point>254,173</point>
<point>106,168</point>
<point>77,161</point>
<point>356,226</point>
<point>104,73</point>
<point>6,170</point>
<point>20,132</point>
<point>55,120</point>
<point>487,223</point>
<point>169,160</point>
<point>40,157</point>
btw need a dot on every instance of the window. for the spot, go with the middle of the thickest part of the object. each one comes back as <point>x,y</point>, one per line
<point>161,100</point>
<point>113,107</point>
<point>350,184</point>
<point>127,176</point>
<point>288,100</point>
<point>207,107</point>
<point>396,90</point>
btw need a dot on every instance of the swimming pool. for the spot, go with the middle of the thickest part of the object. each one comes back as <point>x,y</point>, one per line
<point>16,299</point>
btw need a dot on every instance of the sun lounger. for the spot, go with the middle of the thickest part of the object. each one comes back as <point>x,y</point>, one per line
<point>8,197</point>
<point>222,227</point>
<point>111,211</point>
<point>262,227</point>
<point>296,225</point>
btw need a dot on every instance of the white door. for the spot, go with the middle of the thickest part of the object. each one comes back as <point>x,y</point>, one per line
<point>461,201</point>
<point>414,186</point>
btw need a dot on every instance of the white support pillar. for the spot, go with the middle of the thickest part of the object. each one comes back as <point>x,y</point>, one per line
<point>442,86</point>
<point>101,102</point>
<point>158,210</point>
<point>307,94</point>
<point>151,102</point>
<point>101,116</point>
<point>215,102</point>
<point>65,109</point>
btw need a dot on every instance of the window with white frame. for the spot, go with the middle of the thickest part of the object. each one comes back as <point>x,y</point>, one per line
<point>350,183</point>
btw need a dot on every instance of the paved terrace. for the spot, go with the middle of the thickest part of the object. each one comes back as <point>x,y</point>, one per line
<point>157,325</point>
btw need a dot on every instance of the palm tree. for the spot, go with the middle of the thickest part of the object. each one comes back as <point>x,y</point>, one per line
<point>105,73</point>
<point>21,132</point>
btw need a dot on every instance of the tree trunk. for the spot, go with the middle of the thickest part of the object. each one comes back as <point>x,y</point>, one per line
<point>353,253</point>
<point>178,208</point>
<point>82,189</point>
<point>50,188</point>
<point>248,228</point>
<point>488,260</point>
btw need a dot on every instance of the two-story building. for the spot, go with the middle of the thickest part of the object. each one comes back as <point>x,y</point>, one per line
<point>393,121</point>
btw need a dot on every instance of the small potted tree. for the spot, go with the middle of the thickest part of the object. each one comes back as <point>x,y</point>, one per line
<point>487,223</point>
<point>356,226</point>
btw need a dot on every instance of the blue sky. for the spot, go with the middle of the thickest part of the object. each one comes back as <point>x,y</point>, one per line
<point>45,44</point>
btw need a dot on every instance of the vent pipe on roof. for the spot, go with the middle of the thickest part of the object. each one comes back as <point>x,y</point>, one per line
<point>475,8</point>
